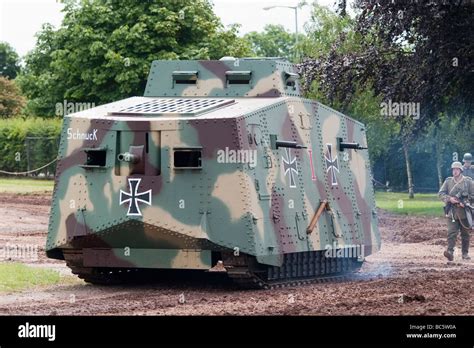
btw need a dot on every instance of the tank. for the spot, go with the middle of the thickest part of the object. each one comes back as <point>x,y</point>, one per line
<point>222,166</point>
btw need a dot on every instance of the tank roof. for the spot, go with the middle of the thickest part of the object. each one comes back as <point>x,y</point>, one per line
<point>163,109</point>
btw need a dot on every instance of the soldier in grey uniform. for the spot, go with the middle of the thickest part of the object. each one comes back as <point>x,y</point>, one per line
<point>454,189</point>
<point>468,168</point>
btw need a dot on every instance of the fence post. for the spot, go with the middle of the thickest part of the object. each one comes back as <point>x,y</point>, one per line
<point>27,141</point>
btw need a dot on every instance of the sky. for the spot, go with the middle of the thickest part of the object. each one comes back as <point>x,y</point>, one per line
<point>21,19</point>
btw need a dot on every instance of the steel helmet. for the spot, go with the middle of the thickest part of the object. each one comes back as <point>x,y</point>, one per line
<point>467,157</point>
<point>456,165</point>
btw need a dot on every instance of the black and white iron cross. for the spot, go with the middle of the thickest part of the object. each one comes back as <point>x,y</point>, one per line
<point>133,198</point>
<point>332,165</point>
<point>290,166</point>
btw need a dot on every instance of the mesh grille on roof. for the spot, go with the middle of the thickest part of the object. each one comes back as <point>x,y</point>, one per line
<point>173,106</point>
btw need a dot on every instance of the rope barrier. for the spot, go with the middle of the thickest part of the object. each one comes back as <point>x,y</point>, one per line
<point>29,171</point>
<point>398,189</point>
<point>379,183</point>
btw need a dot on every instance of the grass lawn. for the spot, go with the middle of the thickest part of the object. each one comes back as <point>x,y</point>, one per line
<point>17,277</point>
<point>25,185</point>
<point>423,204</point>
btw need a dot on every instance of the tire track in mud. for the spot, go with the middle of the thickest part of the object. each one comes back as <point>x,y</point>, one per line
<point>425,293</point>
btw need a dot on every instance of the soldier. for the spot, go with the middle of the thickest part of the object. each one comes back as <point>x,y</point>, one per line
<point>468,169</point>
<point>454,189</point>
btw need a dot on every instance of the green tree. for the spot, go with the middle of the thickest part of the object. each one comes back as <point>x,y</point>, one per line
<point>323,31</point>
<point>11,100</point>
<point>103,50</point>
<point>9,61</point>
<point>444,137</point>
<point>274,41</point>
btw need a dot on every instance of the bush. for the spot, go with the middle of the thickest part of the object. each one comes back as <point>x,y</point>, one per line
<point>11,100</point>
<point>43,143</point>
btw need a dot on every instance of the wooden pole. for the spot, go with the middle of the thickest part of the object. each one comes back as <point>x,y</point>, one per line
<point>316,216</point>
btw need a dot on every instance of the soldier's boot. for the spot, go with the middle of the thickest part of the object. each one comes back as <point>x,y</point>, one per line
<point>466,257</point>
<point>449,255</point>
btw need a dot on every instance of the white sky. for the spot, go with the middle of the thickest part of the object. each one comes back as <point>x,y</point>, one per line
<point>21,19</point>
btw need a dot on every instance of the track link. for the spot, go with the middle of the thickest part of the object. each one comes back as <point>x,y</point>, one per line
<point>297,269</point>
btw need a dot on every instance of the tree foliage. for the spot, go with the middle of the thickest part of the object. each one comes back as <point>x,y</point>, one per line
<point>11,100</point>
<point>274,41</point>
<point>412,52</point>
<point>323,31</point>
<point>9,61</point>
<point>103,49</point>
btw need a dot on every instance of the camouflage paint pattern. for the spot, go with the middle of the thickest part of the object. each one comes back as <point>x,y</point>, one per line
<point>192,214</point>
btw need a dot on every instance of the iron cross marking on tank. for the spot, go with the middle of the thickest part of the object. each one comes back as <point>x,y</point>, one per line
<point>290,166</point>
<point>133,198</point>
<point>332,165</point>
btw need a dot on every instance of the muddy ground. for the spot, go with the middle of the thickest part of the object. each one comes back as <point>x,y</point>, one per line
<point>409,276</point>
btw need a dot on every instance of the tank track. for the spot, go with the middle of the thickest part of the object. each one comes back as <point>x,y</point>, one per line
<point>98,276</point>
<point>297,269</point>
